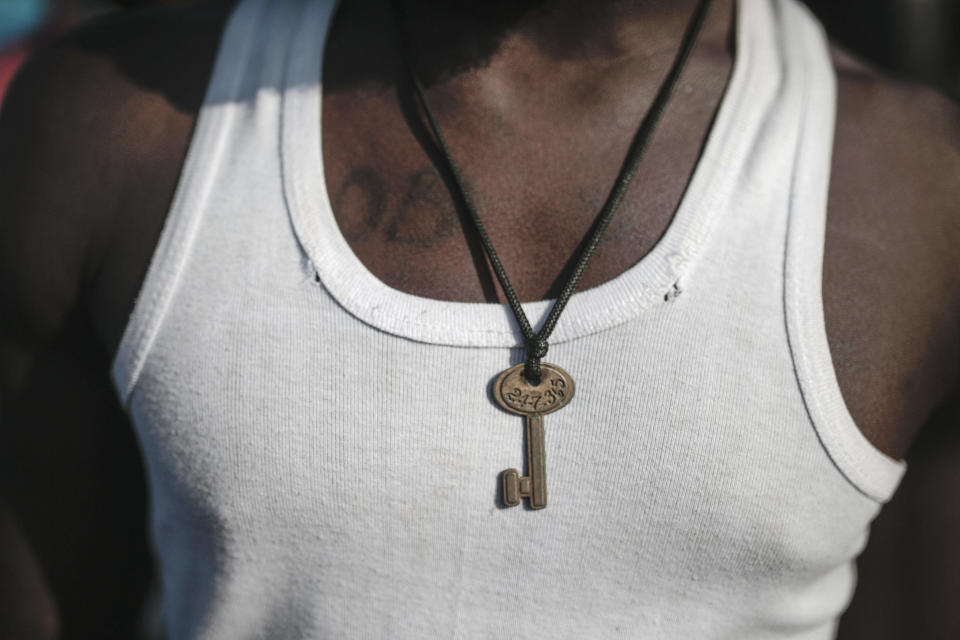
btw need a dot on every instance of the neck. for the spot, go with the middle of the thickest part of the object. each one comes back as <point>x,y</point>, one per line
<point>449,37</point>
<point>564,31</point>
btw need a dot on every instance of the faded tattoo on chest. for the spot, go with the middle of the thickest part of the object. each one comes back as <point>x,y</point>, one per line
<point>420,213</point>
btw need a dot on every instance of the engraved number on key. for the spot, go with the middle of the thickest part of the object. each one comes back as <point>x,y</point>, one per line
<point>515,394</point>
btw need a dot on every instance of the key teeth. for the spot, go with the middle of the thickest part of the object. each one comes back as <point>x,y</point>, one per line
<point>511,487</point>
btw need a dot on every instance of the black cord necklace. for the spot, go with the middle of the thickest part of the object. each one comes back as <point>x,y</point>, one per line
<point>537,388</point>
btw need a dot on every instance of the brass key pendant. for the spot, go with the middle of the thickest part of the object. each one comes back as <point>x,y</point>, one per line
<point>515,394</point>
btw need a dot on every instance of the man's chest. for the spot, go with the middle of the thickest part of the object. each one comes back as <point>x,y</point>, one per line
<point>887,315</point>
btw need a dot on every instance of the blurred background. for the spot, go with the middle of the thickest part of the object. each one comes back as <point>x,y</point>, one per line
<point>916,39</point>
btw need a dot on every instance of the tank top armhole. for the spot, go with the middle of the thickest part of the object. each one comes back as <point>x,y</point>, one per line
<point>193,189</point>
<point>868,469</point>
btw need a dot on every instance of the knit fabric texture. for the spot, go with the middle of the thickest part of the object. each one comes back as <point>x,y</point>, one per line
<point>707,481</point>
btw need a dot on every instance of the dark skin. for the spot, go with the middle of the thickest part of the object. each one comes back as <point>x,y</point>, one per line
<point>94,134</point>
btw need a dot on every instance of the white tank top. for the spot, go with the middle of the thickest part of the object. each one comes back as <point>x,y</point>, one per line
<point>707,481</point>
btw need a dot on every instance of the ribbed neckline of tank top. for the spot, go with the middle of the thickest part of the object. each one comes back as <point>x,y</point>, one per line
<point>647,283</point>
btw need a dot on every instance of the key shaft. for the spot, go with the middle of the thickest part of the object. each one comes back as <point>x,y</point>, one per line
<point>533,486</point>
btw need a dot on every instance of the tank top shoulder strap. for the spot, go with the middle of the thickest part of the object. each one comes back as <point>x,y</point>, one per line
<point>870,470</point>
<point>250,60</point>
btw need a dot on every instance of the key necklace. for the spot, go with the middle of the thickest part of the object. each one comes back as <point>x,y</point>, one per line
<point>535,388</point>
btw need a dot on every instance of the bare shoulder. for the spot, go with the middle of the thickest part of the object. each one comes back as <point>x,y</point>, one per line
<point>92,135</point>
<point>904,133</point>
<point>891,268</point>
<point>892,300</point>
<point>896,129</point>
